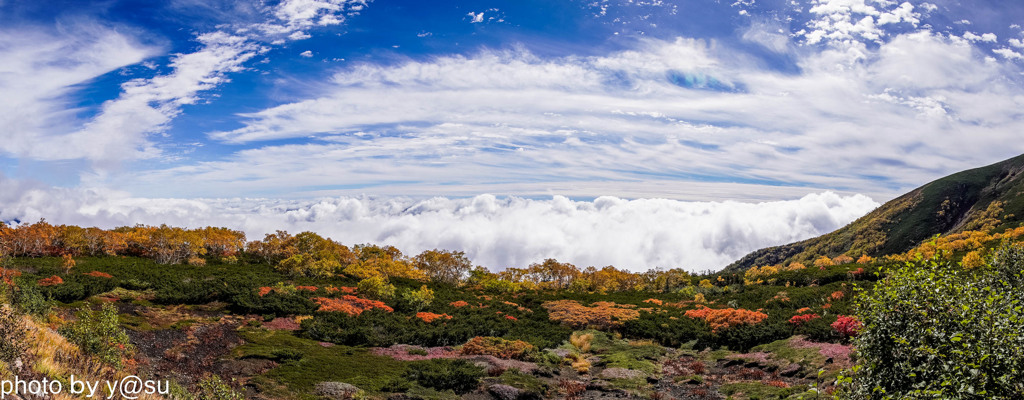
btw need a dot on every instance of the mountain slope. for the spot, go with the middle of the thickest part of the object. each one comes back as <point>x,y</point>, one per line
<point>988,196</point>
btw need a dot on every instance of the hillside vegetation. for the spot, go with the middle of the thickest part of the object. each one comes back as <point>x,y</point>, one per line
<point>960,202</point>
<point>883,309</point>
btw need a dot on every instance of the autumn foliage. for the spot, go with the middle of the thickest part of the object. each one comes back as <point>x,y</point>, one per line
<point>350,305</point>
<point>497,347</point>
<point>847,326</point>
<point>602,314</point>
<point>802,319</point>
<point>654,301</point>
<point>98,274</point>
<point>429,317</point>
<point>727,317</point>
<point>51,281</point>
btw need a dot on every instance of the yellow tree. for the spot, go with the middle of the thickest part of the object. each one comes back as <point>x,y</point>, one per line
<point>443,265</point>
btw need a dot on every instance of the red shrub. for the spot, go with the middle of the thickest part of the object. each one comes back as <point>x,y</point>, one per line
<point>51,281</point>
<point>350,305</point>
<point>802,319</point>
<point>265,290</point>
<point>8,275</point>
<point>751,374</point>
<point>429,317</point>
<point>778,384</point>
<point>511,318</point>
<point>847,325</point>
<point>306,288</point>
<point>727,317</point>
<point>697,367</point>
<point>99,274</point>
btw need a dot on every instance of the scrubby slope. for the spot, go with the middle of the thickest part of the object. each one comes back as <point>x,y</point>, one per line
<point>963,201</point>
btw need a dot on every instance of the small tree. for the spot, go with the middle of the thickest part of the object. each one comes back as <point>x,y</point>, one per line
<point>375,287</point>
<point>418,299</point>
<point>100,333</point>
<point>934,330</point>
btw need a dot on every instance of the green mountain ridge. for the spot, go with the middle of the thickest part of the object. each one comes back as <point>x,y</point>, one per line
<point>991,195</point>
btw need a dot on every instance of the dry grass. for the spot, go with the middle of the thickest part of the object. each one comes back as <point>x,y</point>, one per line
<point>51,355</point>
<point>582,341</point>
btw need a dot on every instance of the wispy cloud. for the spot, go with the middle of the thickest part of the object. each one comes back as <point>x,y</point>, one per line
<point>41,71</point>
<point>685,110</point>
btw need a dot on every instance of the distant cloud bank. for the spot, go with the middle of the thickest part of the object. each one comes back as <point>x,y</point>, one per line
<point>495,232</point>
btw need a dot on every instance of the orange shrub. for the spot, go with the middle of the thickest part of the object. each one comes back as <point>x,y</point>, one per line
<point>511,318</point>
<point>98,274</point>
<point>458,304</point>
<point>350,305</point>
<point>497,347</point>
<point>306,288</point>
<point>265,290</point>
<point>802,319</point>
<point>602,314</point>
<point>803,310</point>
<point>429,317</point>
<point>654,301</point>
<point>838,295</point>
<point>842,259</point>
<point>51,281</point>
<point>8,275</point>
<point>727,317</point>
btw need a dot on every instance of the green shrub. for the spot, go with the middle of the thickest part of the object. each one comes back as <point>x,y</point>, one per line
<point>28,298</point>
<point>460,376</point>
<point>285,355</point>
<point>214,388</point>
<point>933,330</point>
<point>416,351</point>
<point>273,304</point>
<point>99,333</point>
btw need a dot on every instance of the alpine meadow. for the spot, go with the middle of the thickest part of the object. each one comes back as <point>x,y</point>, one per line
<point>511,200</point>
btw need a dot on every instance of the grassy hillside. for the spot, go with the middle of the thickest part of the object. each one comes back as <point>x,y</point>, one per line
<point>967,200</point>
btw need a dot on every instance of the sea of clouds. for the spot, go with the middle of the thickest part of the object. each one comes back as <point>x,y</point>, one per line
<point>494,232</point>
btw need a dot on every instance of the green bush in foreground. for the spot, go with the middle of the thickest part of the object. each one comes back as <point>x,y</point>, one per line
<point>100,333</point>
<point>460,376</point>
<point>934,330</point>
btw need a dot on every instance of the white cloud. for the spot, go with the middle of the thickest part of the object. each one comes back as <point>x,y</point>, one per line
<point>39,71</point>
<point>1009,54</point>
<point>985,37</point>
<point>475,18</point>
<point>146,106</point>
<point>306,54</point>
<point>843,22</point>
<point>495,232</point>
<point>666,111</point>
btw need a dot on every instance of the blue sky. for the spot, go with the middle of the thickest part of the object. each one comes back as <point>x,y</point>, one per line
<point>303,100</point>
